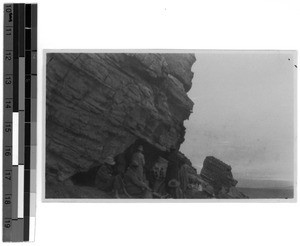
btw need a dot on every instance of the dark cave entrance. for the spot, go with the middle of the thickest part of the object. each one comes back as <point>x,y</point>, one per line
<point>151,154</point>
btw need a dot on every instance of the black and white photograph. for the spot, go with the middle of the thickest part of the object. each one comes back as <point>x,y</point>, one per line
<point>170,125</point>
<point>161,122</point>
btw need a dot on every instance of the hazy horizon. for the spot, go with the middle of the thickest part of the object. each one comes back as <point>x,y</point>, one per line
<point>243,113</point>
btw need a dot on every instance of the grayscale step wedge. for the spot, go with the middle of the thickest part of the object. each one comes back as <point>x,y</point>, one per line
<point>19,121</point>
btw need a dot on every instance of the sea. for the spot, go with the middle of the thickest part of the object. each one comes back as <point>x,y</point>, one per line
<point>266,189</point>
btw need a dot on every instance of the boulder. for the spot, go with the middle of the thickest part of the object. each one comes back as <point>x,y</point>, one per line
<point>218,175</point>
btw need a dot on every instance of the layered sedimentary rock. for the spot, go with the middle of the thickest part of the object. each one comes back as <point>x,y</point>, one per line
<point>219,176</point>
<point>99,105</point>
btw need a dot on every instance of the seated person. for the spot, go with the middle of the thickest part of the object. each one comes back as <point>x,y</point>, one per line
<point>134,184</point>
<point>174,189</point>
<point>139,158</point>
<point>106,180</point>
<point>158,175</point>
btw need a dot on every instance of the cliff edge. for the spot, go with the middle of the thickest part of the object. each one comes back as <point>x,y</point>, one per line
<point>101,105</point>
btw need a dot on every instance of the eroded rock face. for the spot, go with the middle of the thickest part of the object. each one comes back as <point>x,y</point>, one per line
<point>100,104</point>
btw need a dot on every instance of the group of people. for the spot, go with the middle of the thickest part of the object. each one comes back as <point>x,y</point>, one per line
<point>128,181</point>
<point>171,180</point>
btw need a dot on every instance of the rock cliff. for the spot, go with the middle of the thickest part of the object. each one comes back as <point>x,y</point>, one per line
<point>101,105</point>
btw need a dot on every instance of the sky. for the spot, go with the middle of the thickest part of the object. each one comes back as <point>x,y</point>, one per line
<point>243,113</point>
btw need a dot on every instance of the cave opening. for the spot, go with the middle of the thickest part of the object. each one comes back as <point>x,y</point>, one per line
<point>151,155</point>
